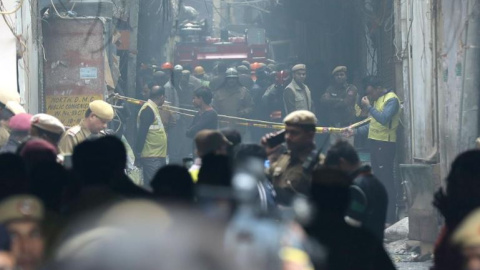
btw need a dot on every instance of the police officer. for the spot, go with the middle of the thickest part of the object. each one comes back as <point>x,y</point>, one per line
<point>287,173</point>
<point>296,95</point>
<point>47,127</point>
<point>339,102</point>
<point>23,215</point>
<point>97,116</point>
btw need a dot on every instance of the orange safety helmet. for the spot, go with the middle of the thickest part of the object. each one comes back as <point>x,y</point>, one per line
<point>198,70</point>
<point>255,66</point>
<point>167,65</point>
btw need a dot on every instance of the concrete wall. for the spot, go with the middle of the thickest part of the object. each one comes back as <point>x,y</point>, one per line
<point>28,65</point>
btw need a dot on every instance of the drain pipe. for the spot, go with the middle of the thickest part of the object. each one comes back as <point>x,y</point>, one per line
<point>470,96</point>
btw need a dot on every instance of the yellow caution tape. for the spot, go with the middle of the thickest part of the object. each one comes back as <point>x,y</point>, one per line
<point>244,121</point>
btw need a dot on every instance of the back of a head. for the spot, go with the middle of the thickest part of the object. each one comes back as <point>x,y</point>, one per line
<point>221,67</point>
<point>215,171</point>
<point>160,77</point>
<point>463,189</point>
<point>37,151</point>
<point>373,81</point>
<point>330,190</point>
<point>48,183</point>
<point>157,91</point>
<point>115,152</point>
<point>13,176</point>
<point>209,141</point>
<point>98,161</point>
<point>232,135</point>
<point>341,150</point>
<point>173,182</point>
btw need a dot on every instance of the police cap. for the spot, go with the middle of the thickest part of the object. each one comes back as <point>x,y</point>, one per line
<point>20,207</point>
<point>301,118</point>
<point>338,69</point>
<point>48,123</point>
<point>298,67</point>
<point>102,109</point>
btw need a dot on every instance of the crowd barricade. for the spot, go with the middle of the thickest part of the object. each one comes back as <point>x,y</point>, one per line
<point>239,120</point>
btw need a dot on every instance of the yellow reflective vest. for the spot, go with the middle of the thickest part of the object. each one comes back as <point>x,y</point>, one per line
<point>379,132</point>
<point>156,141</point>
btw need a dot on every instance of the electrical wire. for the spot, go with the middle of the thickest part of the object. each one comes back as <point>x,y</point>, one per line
<point>14,10</point>
<point>56,11</point>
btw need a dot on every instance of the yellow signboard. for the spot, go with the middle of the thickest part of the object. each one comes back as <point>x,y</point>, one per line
<point>69,109</point>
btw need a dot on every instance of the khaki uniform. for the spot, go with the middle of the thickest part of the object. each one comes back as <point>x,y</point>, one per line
<point>233,102</point>
<point>4,135</point>
<point>72,137</point>
<point>288,173</point>
<point>295,98</point>
<point>340,105</point>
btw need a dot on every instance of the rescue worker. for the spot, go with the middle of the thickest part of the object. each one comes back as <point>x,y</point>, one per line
<point>199,73</point>
<point>297,95</point>
<point>287,173</point>
<point>368,197</point>
<point>151,146</point>
<point>219,78</point>
<point>179,145</point>
<point>171,87</point>
<point>160,78</point>
<point>339,103</point>
<point>253,67</point>
<point>167,67</point>
<point>47,127</point>
<point>97,116</point>
<point>186,88</point>
<point>259,88</point>
<point>232,98</point>
<point>22,215</point>
<point>272,100</point>
<point>383,106</point>
<point>19,126</point>
<point>244,77</point>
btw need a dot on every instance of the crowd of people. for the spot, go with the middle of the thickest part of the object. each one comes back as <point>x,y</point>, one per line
<point>244,91</point>
<point>69,198</point>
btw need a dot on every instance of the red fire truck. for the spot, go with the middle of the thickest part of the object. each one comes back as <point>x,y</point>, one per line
<point>195,48</point>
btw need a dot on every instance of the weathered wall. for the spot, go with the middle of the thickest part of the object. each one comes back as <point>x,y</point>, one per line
<point>453,17</point>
